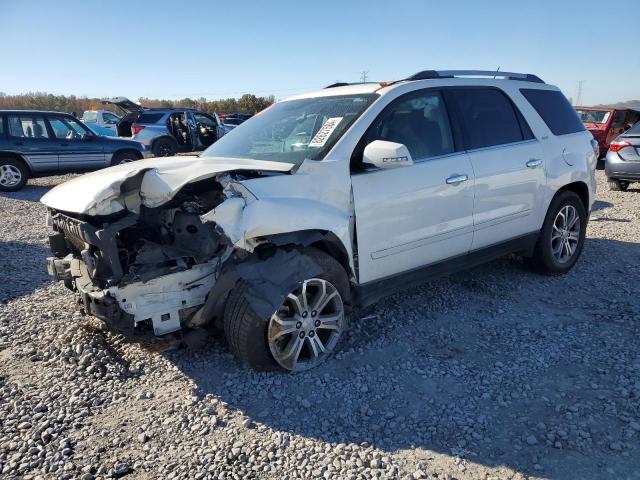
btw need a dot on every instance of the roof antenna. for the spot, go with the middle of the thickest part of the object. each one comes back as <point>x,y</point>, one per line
<point>497,70</point>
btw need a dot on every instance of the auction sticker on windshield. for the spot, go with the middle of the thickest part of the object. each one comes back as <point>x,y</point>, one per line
<point>325,132</point>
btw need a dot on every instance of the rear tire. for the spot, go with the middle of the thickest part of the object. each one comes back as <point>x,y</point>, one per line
<point>13,174</point>
<point>617,185</point>
<point>558,248</point>
<point>247,333</point>
<point>164,147</point>
<point>124,157</point>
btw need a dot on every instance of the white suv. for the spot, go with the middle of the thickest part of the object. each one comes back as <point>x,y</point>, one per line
<point>325,201</point>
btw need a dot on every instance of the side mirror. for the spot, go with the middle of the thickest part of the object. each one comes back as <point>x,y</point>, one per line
<point>88,136</point>
<point>383,154</point>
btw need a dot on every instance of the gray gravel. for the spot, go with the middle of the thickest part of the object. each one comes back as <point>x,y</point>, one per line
<point>494,373</point>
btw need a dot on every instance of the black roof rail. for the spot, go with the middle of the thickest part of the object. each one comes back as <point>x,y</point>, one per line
<point>434,74</point>
<point>338,84</point>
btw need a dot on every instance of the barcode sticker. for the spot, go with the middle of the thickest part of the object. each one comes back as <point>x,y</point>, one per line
<point>325,132</point>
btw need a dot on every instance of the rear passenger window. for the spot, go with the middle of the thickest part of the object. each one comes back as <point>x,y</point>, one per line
<point>27,126</point>
<point>1,125</point>
<point>149,118</point>
<point>488,118</point>
<point>555,110</point>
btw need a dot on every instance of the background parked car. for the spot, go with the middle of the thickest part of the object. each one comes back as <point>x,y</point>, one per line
<point>98,130</point>
<point>622,164</point>
<point>166,131</point>
<point>605,124</point>
<point>232,120</point>
<point>105,120</point>
<point>36,143</point>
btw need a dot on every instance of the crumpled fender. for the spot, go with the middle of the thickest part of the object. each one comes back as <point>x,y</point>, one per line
<point>243,221</point>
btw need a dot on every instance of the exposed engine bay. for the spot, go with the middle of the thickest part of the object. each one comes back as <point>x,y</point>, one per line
<point>157,265</point>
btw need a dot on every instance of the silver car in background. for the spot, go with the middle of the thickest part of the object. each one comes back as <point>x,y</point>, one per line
<point>622,163</point>
<point>167,131</point>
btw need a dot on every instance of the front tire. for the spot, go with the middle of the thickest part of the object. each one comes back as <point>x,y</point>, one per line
<point>617,185</point>
<point>303,332</point>
<point>562,236</point>
<point>13,175</point>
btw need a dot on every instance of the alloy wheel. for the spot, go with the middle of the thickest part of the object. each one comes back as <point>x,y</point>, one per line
<point>306,328</point>
<point>565,234</point>
<point>10,175</point>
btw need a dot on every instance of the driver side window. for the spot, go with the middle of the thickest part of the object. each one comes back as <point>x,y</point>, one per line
<point>61,129</point>
<point>109,119</point>
<point>418,120</point>
<point>204,119</point>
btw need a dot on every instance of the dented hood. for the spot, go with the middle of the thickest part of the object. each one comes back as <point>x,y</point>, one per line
<point>156,181</point>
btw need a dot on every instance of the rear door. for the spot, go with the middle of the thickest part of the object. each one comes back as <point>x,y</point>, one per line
<point>409,217</point>
<point>507,162</point>
<point>29,136</point>
<point>78,148</point>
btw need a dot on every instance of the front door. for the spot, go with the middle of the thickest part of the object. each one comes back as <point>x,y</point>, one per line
<point>110,122</point>
<point>206,129</point>
<point>409,217</point>
<point>508,164</point>
<point>28,135</point>
<point>78,148</point>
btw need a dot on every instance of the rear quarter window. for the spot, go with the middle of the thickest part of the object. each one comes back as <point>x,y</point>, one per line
<point>555,110</point>
<point>1,126</point>
<point>149,117</point>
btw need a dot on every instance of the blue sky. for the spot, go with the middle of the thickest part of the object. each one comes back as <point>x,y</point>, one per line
<point>174,49</point>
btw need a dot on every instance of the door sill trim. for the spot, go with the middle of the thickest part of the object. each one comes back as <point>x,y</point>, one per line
<point>368,293</point>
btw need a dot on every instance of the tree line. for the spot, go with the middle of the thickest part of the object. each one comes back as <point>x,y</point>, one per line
<point>248,103</point>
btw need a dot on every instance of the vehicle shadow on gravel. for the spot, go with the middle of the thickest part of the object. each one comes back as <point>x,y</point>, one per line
<point>493,365</point>
<point>600,205</point>
<point>23,269</point>
<point>36,188</point>
<point>29,193</point>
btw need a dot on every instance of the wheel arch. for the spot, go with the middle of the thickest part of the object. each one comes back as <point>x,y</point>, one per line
<point>127,149</point>
<point>323,240</point>
<point>17,156</point>
<point>164,136</point>
<point>579,188</point>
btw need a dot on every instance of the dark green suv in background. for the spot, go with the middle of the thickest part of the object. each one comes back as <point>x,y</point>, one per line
<point>35,143</point>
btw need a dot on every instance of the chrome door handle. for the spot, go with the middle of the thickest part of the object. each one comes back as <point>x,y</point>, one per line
<point>456,179</point>
<point>534,162</point>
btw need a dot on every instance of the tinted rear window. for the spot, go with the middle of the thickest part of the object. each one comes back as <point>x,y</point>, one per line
<point>555,110</point>
<point>635,130</point>
<point>488,118</point>
<point>149,117</point>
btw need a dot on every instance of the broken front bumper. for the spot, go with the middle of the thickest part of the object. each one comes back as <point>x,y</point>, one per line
<point>166,301</point>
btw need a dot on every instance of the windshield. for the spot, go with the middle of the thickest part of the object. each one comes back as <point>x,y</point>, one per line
<point>293,130</point>
<point>594,116</point>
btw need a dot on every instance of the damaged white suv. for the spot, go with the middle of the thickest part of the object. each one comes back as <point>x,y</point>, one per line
<point>326,201</point>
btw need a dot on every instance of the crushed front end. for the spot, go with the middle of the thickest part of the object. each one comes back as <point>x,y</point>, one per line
<point>155,266</point>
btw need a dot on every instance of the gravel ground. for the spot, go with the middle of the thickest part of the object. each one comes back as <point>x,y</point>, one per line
<point>493,373</point>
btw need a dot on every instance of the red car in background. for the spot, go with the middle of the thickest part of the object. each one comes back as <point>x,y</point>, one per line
<point>605,124</point>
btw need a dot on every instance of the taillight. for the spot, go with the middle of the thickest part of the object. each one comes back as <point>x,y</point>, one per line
<point>137,129</point>
<point>618,145</point>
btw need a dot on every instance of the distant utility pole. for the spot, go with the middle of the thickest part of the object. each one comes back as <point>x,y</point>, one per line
<point>579,96</point>
<point>363,76</point>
